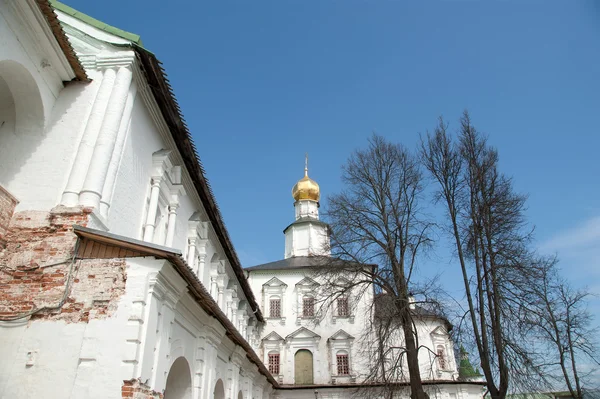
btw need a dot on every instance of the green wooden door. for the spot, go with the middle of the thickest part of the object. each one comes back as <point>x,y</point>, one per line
<point>303,366</point>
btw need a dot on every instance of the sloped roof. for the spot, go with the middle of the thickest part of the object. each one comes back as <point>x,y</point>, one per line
<point>47,8</point>
<point>167,103</point>
<point>132,37</point>
<point>195,286</point>
<point>306,219</point>
<point>300,262</point>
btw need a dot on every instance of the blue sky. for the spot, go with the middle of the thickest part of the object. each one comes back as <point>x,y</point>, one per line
<point>262,82</point>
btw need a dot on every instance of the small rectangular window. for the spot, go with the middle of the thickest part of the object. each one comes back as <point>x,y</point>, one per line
<point>274,363</point>
<point>275,308</point>
<point>441,358</point>
<point>343,366</point>
<point>342,307</point>
<point>308,307</point>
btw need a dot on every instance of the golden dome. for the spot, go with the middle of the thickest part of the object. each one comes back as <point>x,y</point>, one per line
<point>306,188</point>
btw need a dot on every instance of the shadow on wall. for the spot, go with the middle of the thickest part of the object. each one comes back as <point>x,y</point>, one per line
<point>219,390</point>
<point>179,380</point>
<point>23,128</point>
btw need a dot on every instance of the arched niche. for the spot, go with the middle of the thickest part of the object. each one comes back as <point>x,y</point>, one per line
<point>179,380</point>
<point>303,367</point>
<point>219,392</point>
<point>21,120</point>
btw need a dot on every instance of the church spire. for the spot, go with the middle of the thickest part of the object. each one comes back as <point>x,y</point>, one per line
<point>307,235</point>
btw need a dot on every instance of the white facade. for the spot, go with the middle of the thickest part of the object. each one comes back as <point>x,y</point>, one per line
<point>148,298</point>
<point>337,334</point>
<point>104,145</point>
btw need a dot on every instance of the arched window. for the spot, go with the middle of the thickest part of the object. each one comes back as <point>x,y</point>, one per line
<point>343,363</point>
<point>274,362</point>
<point>303,367</point>
<point>308,306</point>
<point>275,306</point>
<point>441,356</point>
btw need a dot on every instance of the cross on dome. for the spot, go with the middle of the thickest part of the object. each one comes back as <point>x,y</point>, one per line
<point>306,188</point>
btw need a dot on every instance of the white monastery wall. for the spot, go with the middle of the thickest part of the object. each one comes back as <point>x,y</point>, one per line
<point>327,325</point>
<point>42,119</point>
<point>156,322</point>
<point>132,186</point>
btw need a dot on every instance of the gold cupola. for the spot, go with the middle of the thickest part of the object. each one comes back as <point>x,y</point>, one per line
<point>306,188</point>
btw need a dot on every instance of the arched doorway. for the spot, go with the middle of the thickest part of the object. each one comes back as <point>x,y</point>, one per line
<point>219,390</point>
<point>179,380</point>
<point>240,395</point>
<point>303,367</point>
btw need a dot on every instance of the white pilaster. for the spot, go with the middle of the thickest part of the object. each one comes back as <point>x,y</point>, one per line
<point>105,144</point>
<point>152,207</point>
<point>115,160</point>
<point>171,224</point>
<point>79,169</point>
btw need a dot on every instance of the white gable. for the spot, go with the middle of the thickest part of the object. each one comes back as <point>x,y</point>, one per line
<point>307,282</point>
<point>274,282</point>
<point>302,332</point>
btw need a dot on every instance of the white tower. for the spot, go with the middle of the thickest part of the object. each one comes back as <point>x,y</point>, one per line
<point>307,235</point>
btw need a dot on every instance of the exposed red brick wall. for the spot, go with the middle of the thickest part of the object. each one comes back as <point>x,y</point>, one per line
<point>136,390</point>
<point>36,264</point>
<point>7,208</point>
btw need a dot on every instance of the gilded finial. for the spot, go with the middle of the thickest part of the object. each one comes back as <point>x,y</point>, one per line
<point>306,164</point>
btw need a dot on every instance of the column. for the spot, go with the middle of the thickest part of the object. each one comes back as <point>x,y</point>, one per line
<point>213,287</point>
<point>221,297</point>
<point>171,224</point>
<point>152,208</point>
<point>79,169</point>
<point>105,144</point>
<point>191,254</point>
<point>115,160</point>
<point>201,262</point>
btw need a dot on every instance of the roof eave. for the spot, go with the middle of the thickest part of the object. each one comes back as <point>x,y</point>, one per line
<point>203,298</point>
<point>47,9</point>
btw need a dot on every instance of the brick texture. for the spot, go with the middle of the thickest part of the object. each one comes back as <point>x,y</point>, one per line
<point>136,390</point>
<point>36,267</point>
<point>7,208</point>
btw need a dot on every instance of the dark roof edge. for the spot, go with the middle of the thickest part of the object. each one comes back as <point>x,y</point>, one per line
<point>304,221</point>
<point>47,9</point>
<point>165,98</point>
<point>203,298</point>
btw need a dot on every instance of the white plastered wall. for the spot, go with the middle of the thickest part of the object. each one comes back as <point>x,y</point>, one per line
<point>49,116</point>
<point>156,322</point>
<point>290,307</point>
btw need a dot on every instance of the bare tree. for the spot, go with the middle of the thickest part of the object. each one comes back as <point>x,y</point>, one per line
<point>559,318</point>
<point>486,222</point>
<point>377,220</point>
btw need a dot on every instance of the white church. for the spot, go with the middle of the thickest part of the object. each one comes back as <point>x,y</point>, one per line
<point>118,278</point>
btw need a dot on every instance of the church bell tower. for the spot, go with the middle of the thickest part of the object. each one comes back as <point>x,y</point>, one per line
<point>307,235</point>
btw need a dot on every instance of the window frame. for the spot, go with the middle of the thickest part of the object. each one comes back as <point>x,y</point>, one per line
<point>274,299</point>
<point>342,361</point>
<point>274,362</point>
<point>308,306</point>
<point>346,306</point>
<point>441,357</point>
